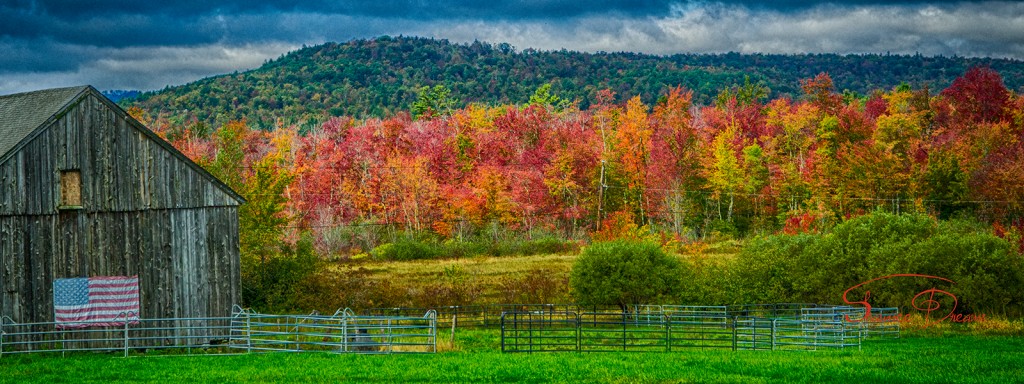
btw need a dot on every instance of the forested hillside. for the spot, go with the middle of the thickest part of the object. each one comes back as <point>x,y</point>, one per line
<point>380,77</point>
<point>745,165</point>
<point>539,177</point>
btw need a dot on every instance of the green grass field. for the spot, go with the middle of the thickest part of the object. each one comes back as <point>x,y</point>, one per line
<point>476,357</point>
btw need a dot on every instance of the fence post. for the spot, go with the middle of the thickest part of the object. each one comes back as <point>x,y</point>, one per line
<point>248,333</point>
<point>4,320</point>
<point>861,334</point>
<point>529,330</point>
<point>624,319</point>
<point>503,332</point>
<point>734,332</point>
<point>391,341</point>
<point>433,328</point>
<point>774,325</point>
<point>295,335</point>
<point>668,332</point>
<point>455,321</point>
<point>578,333</point>
<point>126,335</point>
<point>344,333</point>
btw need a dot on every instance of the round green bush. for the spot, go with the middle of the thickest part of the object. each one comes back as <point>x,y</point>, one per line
<point>625,273</point>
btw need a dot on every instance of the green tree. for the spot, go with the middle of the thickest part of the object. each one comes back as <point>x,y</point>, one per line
<point>432,102</point>
<point>945,184</point>
<point>543,97</point>
<point>625,273</point>
<point>746,94</point>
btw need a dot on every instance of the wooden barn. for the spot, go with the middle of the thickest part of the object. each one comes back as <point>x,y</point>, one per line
<point>87,191</point>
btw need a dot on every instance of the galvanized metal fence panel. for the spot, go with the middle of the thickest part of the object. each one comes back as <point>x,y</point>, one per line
<point>244,332</point>
<point>343,332</point>
<point>139,336</point>
<point>698,327</point>
<point>883,323</point>
<point>610,332</point>
<point>539,332</point>
<point>683,327</point>
<point>753,333</point>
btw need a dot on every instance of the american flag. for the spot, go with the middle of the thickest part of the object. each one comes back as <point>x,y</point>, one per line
<point>96,301</point>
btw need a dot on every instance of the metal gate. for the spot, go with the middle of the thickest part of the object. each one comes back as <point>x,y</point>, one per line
<point>244,332</point>
<point>679,328</point>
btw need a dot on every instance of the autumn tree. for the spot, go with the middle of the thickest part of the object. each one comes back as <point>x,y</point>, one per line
<point>724,173</point>
<point>674,176</point>
<point>978,96</point>
<point>631,153</point>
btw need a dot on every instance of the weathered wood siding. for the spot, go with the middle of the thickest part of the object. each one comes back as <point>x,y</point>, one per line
<point>122,168</point>
<point>183,259</point>
<point>145,211</point>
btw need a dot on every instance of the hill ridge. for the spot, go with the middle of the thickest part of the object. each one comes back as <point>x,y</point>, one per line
<point>380,77</point>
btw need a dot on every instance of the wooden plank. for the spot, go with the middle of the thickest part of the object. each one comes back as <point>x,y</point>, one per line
<point>202,267</point>
<point>7,188</point>
<point>29,269</point>
<point>7,256</point>
<point>48,225</point>
<point>21,271</point>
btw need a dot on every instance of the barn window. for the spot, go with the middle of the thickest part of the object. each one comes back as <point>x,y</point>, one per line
<point>70,189</point>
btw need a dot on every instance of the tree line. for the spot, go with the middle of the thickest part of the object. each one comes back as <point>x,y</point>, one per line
<point>745,164</point>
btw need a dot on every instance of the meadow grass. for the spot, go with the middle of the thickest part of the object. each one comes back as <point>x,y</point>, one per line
<point>476,357</point>
<point>487,272</point>
<point>487,267</point>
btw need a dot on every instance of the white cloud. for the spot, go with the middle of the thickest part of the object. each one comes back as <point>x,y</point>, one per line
<point>966,29</point>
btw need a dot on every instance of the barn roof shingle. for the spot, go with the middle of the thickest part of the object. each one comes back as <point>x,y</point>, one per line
<point>23,113</point>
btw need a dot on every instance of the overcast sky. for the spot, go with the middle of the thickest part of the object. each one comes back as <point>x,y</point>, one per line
<point>146,45</point>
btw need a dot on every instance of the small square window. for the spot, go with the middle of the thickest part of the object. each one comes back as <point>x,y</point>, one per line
<point>70,189</point>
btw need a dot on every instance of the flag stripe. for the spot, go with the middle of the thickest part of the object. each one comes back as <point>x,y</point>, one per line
<point>96,301</point>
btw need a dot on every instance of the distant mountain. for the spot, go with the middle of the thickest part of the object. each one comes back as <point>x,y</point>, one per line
<point>117,95</point>
<point>381,76</point>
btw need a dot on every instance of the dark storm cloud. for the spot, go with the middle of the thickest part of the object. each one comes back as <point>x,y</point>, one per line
<point>35,55</point>
<point>150,44</point>
<point>134,23</point>
<point>410,9</point>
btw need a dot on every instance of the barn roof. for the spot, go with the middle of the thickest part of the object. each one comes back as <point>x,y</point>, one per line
<point>22,115</point>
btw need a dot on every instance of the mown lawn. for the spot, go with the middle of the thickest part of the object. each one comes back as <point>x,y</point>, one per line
<point>476,358</point>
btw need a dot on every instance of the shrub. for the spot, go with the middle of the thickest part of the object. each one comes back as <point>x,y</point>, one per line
<point>404,248</point>
<point>269,285</point>
<point>768,270</point>
<point>986,271</point>
<point>625,273</point>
